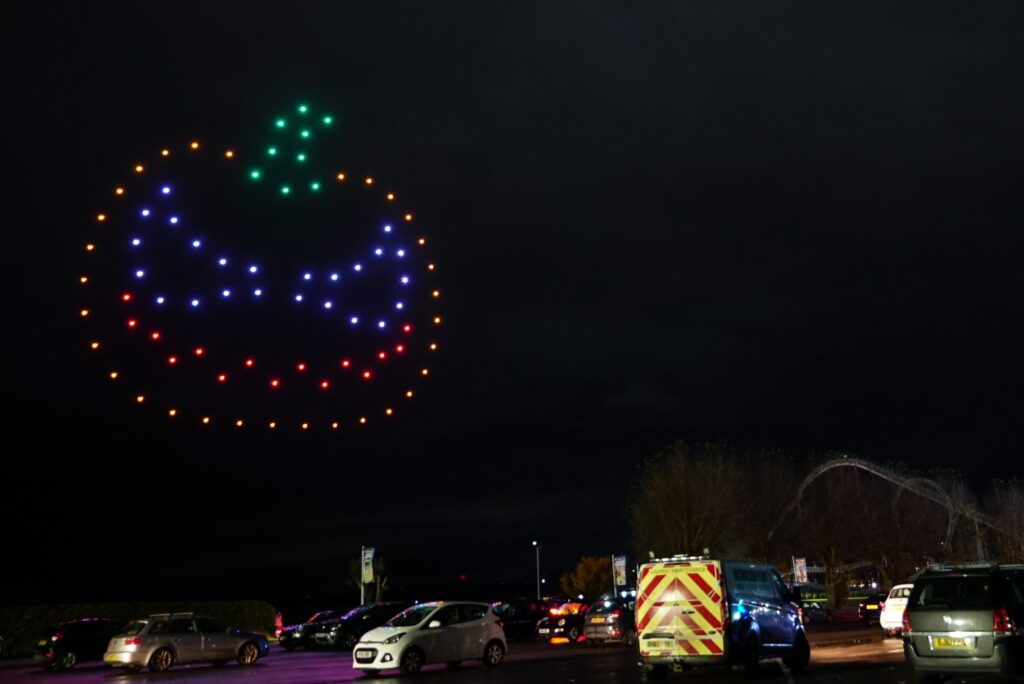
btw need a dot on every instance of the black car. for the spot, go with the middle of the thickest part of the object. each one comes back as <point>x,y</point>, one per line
<point>564,624</point>
<point>869,609</point>
<point>519,617</point>
<point>611,620</point>
<point>301,636</point>
<point>345,631</point>
<point>62,646</point>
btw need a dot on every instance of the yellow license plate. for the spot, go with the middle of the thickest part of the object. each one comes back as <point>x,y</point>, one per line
<point>949,642</point>
<point>872,606</point>
<point>594,621</point>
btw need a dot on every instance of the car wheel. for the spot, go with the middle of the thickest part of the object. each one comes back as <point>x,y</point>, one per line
<point>494,653</point>
<point>629,638</point>
<point>248,654</point>
<point>573,634</point>
<point>412,661</point>
<point>751,657</point>
<point>656,673</point>
<point>801,655</point>
<point>161,660</point>
<point>66,661</point>
<point>454,663</point>
<point>349,641</point>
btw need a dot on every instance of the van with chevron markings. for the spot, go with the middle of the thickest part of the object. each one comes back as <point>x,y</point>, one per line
<point>693,611</point>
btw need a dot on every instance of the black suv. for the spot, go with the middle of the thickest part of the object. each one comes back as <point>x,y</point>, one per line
<point>344,632</point>
<point>294,636</point>
<point>64,645</point>
<point>964,620</point>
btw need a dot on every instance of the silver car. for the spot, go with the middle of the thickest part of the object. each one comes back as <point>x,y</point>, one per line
<point>163,639</point>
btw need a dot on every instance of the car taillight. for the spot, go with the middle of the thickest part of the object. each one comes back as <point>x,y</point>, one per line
<point>57,635</point>
<point>132,641</point>
<point>906,624</point>
<point>1002,623</point>
<point>881,605</point>
<point>500,624</point>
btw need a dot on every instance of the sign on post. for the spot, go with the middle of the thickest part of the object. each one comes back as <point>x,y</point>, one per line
<point>619,570</point>
<point>799,571</point>
<point>367,564</point>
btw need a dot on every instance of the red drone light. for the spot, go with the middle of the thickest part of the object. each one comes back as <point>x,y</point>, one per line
<point>324,384</point>
<point>407,328</point>
<point>399,348</point>
<point>301,367</point>
<point>222,378</point>
<point>345,363</point>
<point>155,335</point>
<point>275,382</point>
<point>249,363</point>
<point>382,356</point>
<point>199,351</point>
<point>126,297</point>
<point>132,322</point>
<point>367,375</point>
<point>172,360</point>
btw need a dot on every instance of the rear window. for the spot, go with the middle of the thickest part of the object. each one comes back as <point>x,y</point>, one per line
<point>953,592</point>
<point>900,592</point>
<point>133,628</point>
<point>605,607</point>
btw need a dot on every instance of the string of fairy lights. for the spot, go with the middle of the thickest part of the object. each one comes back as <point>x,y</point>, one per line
<point>159,246</point>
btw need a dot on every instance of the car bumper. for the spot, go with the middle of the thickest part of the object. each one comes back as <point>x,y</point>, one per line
<point>376,656</point>
<point>603,632</point>
<point>1005,660</point>
<point>120,658</point>
<point>891,621</point>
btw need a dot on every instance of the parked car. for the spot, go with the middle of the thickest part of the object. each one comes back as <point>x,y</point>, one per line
<point>964,621</point>
<point>694,611</point>
<point>345,631</point>
<point>891,619</point>
<point>164,639</point>
<point>813,612</point>
<point>301,635</point>
<point>848,611</point>
<point>520,617</point>
<point>446,632</point>
<point>610,621</point>
<point>870,608</point>
<point>64,645</point>
<point>564,623</point>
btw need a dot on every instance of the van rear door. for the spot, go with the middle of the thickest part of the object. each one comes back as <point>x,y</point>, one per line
<point>679,610</point>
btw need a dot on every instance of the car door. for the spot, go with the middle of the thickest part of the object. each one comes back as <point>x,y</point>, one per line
<point>217,643</point>
<point>470,632</point>
<point>187,642</point>
<point>438,637</point>
<point>786,616</point>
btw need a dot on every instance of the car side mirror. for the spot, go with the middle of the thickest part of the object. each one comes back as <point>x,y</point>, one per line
<point>433,624</point>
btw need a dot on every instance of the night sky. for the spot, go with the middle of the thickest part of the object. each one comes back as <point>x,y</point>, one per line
<point>785,225</point>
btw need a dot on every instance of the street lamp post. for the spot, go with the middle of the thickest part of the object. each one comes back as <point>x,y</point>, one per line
<point>536,547</point>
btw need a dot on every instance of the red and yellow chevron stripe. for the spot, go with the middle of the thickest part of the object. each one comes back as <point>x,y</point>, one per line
<point>683,599</point>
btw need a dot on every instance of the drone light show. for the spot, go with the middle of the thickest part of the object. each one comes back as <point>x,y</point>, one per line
<point>261,286</point>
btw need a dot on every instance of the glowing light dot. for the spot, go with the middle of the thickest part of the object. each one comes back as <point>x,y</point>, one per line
<point>341,176</point>
<point>422,241</point>
<point>136,242</point>
<point>132,323</point>
<point>258,292</point>
<point>301,156</point>
<point>126,297</point>
<point>285,189</point>
<point>172,360</point>
<point>272,425</point>
<point>303,109</point>
<point>144,212</point>
<point>206,420</point>
<point>437,320</point>
<point>301,367</point>
<point>433,346</point>
<point>166,190</point>
<point>139,168</point>
<point>367,375</point>
<point>406,328</point>
<point>307,276</point>
<point>387,229</point>
<point>272,151</point>
<point>160,300</point>
<point>305,426</point>
<point>353,320</point>
<point>249,363</point>
<point>101,217</point>
<point>197,244</point>
<point>430,267</point>
<point>89,247</point>
<point>388,411</point>
<point>328,120</point>
<point>83,279</point>
<point>304,134</point>
<point>199,351</point>
<point>222,261</point>
<point>113,375</point>
<point>391,197</point>
<point>155,335</point>
<point>140,273</point>
<point>172,412</point>
<point>400,253</point>
<point>324,384</point>
<point>118,191</point>
<point>298,298</point>
<point>334,277</point>
<point>173,220</point>
<point>399,348</point>
<point>255,174</point>
<point>275,383</point>
<point>229,153</point>
<point>222,378</point>
<point>399,305</point>
<point>408,394</point>
<point>253,269</point>
<point>358,267</point>
<point>194,303</point>
<point>334,425</point>
<point>378,251</point>
<point>382,355</point>
<point>238,423</point>
<point>94,345</point>
<point>165,152</point>
<point>225,293</point>
<point>280,123</point>
<point>436,293</point>
<point>405,280</point>
<point>425,371</point>
<point>141,398</point>
<point>381,324</point>
<point>327,304</point>
<point>369,181</point>
<point>362,421</point>
<point>194,145</point>
<point>408,217</point>
<point>345,363</point>
<point>314,186</point>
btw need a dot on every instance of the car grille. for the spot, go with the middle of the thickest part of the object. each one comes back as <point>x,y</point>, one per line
<point>365,655</point>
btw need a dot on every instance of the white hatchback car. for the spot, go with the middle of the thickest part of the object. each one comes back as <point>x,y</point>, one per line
<point>441,632</point>
<point>891,618</point>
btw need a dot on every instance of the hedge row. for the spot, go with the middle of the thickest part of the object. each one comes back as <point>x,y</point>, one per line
<point>21,626</point>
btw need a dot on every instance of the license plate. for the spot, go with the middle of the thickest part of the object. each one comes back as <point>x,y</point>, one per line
<point>594,621</point>
<point>872,606</point>
<point>361,653</point>
<point>109,656</point>
<point>950,642</point>
<point>543,630</point>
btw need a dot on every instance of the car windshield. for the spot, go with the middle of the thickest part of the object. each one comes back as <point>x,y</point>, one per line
<point>412,616</point>
<point>952,592</point>
<point>133,628</point>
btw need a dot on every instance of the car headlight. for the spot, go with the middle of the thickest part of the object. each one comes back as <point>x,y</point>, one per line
<point>393,639</point>
<point>561,623</point>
